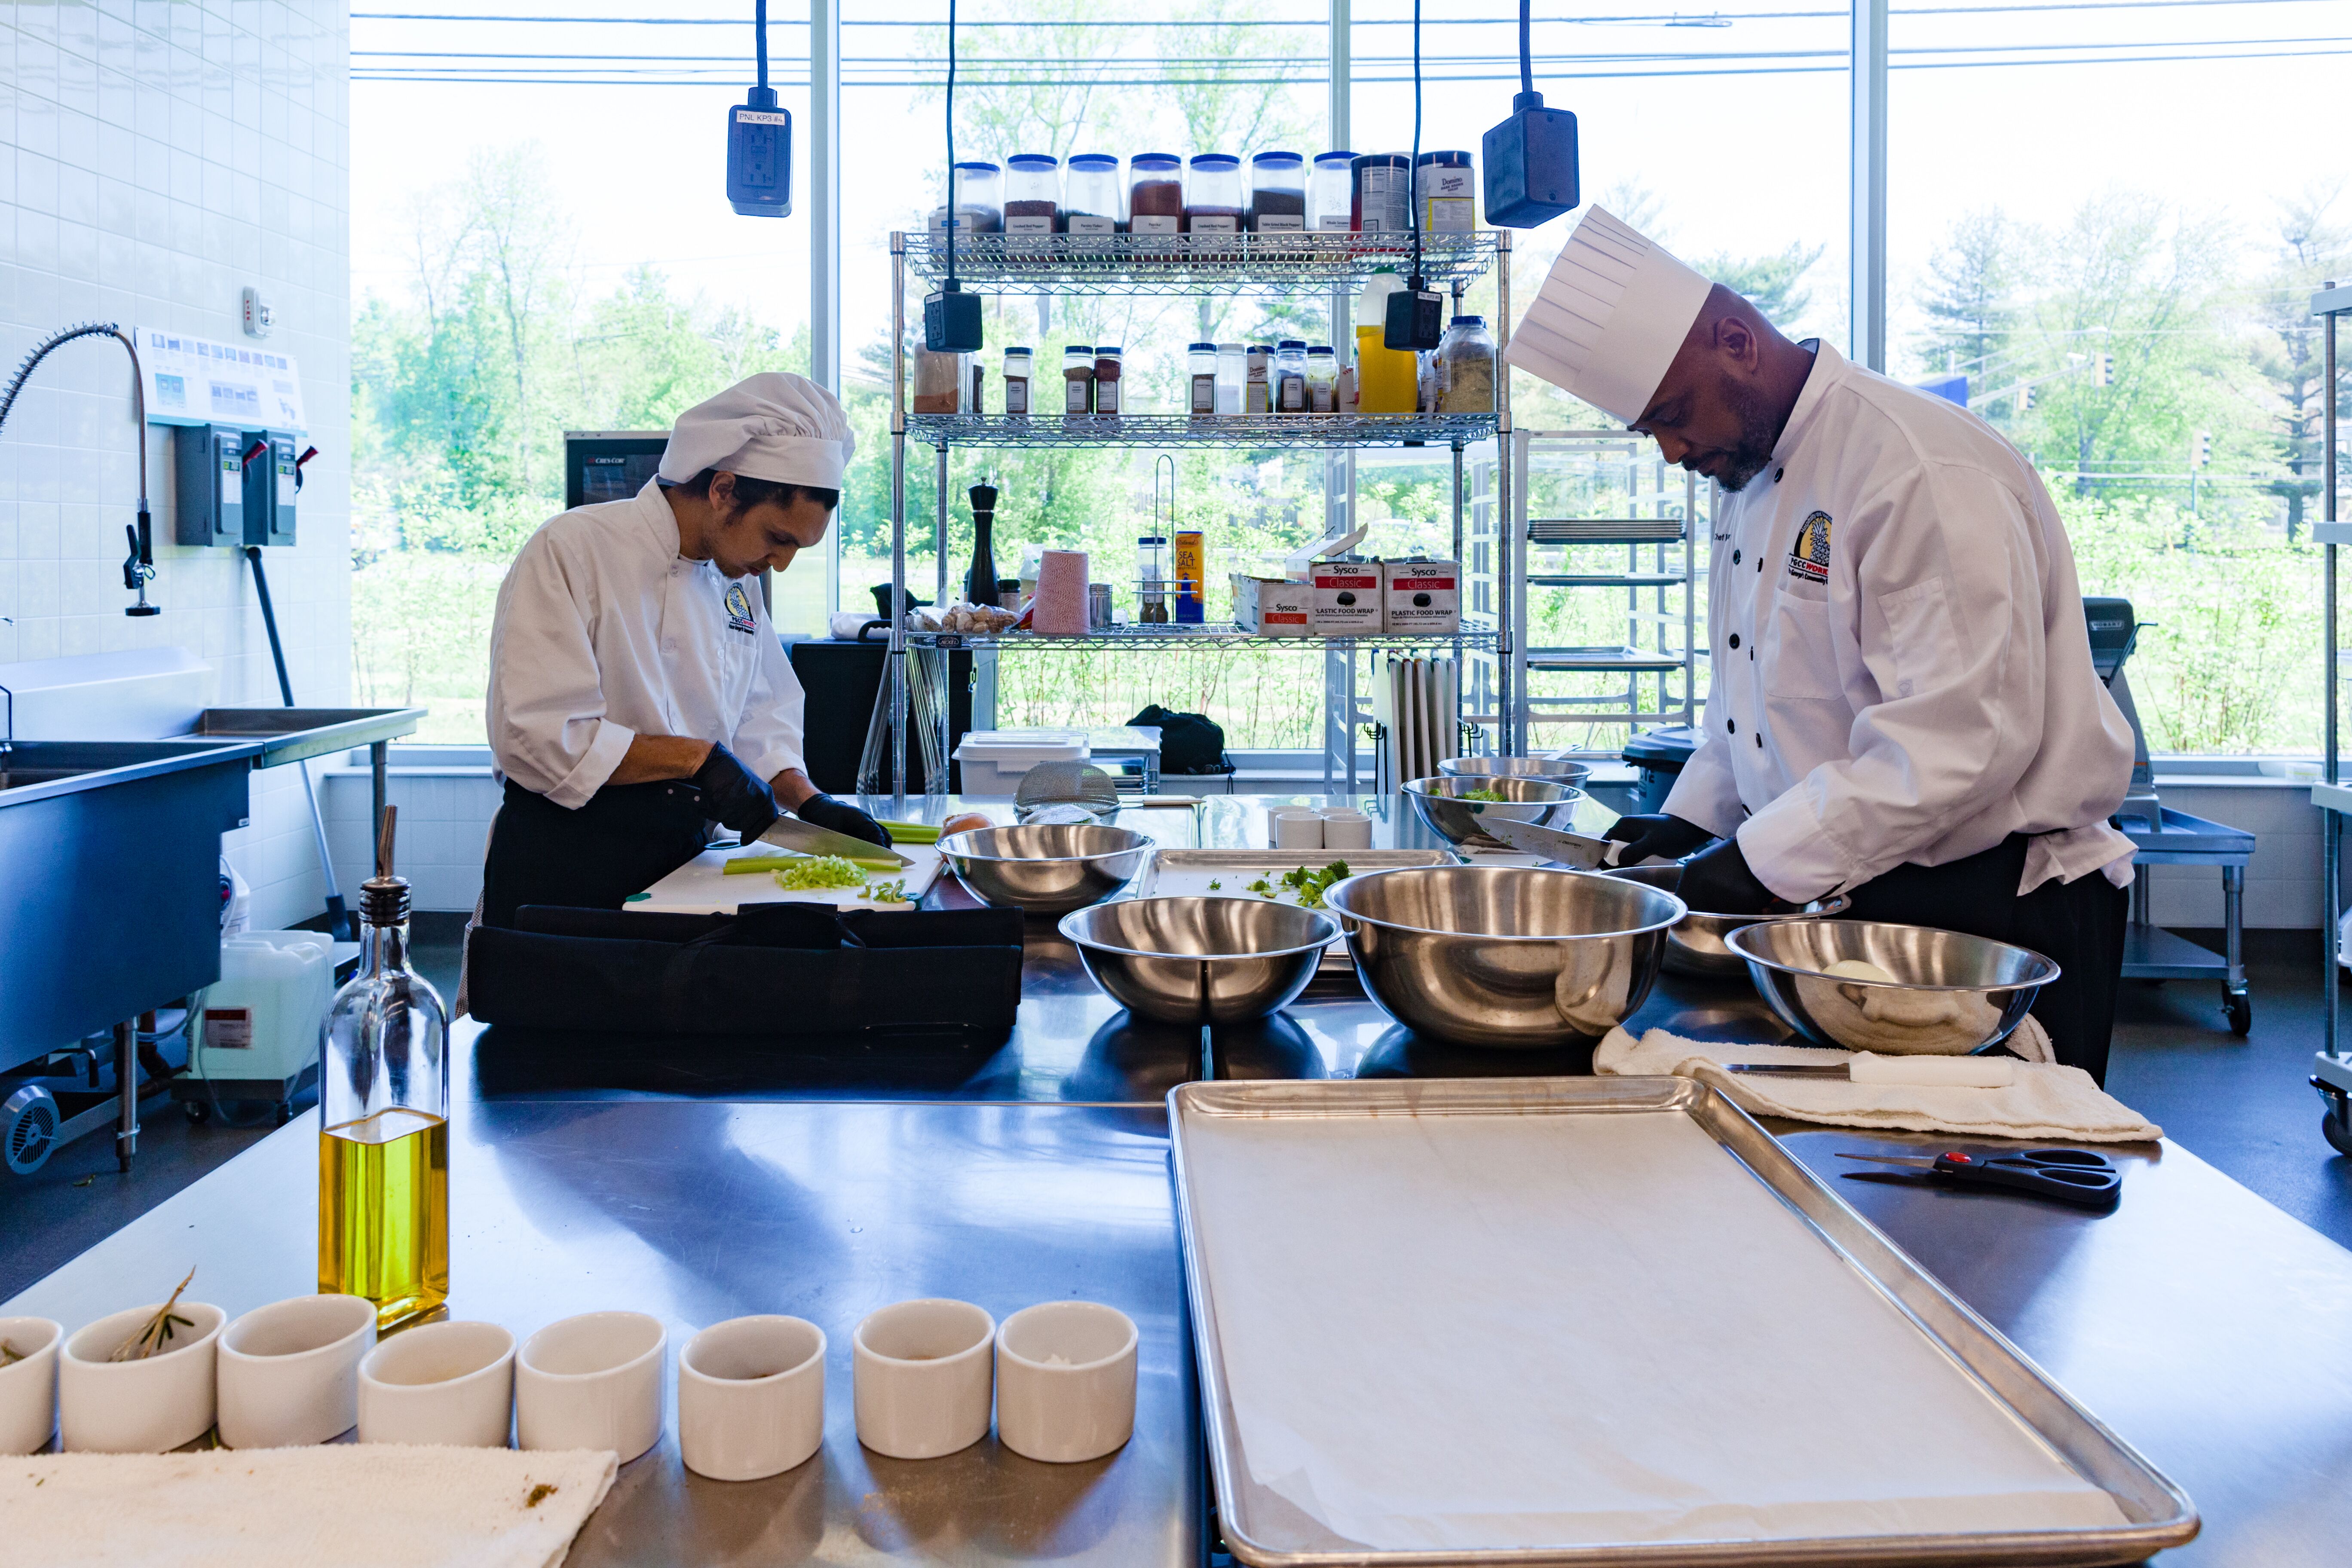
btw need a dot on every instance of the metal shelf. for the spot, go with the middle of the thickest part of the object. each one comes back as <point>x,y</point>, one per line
<point>1189,264</point>
<point>1607,579</point>
<point>1254,431</point>
<point>1619,661</point>
<point>1190,639</point>
<point>1604,530</point>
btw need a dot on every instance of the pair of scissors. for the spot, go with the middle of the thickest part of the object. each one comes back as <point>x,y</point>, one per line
<point>2074,1176</point>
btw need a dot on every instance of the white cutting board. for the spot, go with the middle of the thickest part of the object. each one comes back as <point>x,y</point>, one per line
<point>702,887</point>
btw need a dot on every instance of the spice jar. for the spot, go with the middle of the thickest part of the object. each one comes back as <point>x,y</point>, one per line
<point>1078,379</point>
<point>1380,203</point>
<point>1201,364</point>
<point>1465,367</point>
<point>1091,202</point>
<point>1212,201</point>
<point>941,381</point>
<point>1290,376</point>
<point>1331,192</point>
<point>1155,194</point>
<point>1033,193</point>
<point>1322,380</point>
<point>1257,379</point>
<point>979,197</point>
<point>1448,198</point>
<point>1017,383</point>
<point>1278,201</point>
<point>1232,371</point>
<point>1107,379</point>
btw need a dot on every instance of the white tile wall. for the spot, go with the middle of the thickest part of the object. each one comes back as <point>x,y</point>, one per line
<point>445,820</point>
<point>2283,885</point>
<point>156,156</point>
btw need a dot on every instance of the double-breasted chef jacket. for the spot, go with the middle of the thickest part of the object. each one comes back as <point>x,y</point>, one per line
<point>1901,668</point>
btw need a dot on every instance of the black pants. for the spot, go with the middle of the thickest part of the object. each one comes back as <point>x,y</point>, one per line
<point>2079,925</point>
<point>624,839</point>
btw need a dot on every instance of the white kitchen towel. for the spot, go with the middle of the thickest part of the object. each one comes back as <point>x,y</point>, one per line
<point>2046,1102</point>
<point>355,1505</point>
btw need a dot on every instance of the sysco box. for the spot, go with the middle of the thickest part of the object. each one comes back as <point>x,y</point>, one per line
<point>1346,597</point>
<point>1424,598</point>
<point>1273,606</point>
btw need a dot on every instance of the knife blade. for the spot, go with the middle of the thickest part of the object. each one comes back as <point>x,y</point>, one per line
<point>1916,1071</point>
<point>808,838</point>
<point>1573,850</point>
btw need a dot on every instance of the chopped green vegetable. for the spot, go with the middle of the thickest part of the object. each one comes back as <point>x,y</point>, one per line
<point>887,892</point>
<point>1481,793</point>
<point>745,865</point>
<point>1262,887</point>
<point>1215,887</point>
<point>820,871</point>
<point>1311,886</point>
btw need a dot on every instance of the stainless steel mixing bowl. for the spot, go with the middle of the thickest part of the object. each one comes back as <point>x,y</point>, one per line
<point>1696,944</point>
<point>1553,769</point>
<point>1201,960</point>
<point>1045,868</point>
<point>1516,956</point>
<point>1439,801</point>
<point>1952,994</point>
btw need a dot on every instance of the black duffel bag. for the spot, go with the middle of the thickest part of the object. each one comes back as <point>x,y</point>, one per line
<point>768,969</point>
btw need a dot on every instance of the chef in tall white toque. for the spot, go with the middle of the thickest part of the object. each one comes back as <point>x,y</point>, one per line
<point>636,685</point>
<point>1903,707</point>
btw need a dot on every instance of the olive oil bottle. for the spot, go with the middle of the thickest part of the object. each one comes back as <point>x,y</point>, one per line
<point>383,1102</point>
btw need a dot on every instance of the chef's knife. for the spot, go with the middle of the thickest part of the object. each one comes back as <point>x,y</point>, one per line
<point>808,838</point>
<point>1573,850</point>
<point>1934,1071</point>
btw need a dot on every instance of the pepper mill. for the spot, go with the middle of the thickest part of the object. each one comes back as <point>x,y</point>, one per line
<point>980,581</point>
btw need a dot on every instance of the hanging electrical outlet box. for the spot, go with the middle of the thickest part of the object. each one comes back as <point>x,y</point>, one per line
<point>951,322</point>
<point>759,156</point>
<point>1531,165</point>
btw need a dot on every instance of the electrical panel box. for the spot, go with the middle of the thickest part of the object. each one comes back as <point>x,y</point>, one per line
<point>270,487</point>
<point>208,461</point>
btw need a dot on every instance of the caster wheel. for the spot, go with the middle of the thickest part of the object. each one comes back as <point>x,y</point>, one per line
<point>284,1112</point>
<point>196,1112</point>
<point>2339,1135</point>
<point>2239,1011</point>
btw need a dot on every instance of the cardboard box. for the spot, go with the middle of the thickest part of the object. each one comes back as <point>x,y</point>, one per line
<point>1347,597</point>
<point>1424,598</point>
<point>1273,606</point>
<point>1192,577</point>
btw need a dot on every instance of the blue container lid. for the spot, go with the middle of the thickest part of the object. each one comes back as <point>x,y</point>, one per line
<point>1093,161</point>
<point>1668,747</point>
<point>1034,160</point>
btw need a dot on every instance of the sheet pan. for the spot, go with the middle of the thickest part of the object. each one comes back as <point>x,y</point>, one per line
<point>1576,1321</point>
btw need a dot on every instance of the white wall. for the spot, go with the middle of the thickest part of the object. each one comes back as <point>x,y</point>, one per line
<point>156,156</point>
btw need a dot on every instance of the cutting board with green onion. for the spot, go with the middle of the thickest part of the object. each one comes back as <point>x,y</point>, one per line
<point>703,887</point>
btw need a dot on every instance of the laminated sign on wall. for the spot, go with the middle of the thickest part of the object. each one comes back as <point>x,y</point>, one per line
<point>196,380</point>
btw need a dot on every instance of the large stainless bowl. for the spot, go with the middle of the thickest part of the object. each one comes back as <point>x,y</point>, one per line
<point>1696,944</point>
<point>1439,801</point>
<point>1553,769</point>
<point>1952,994</point>
<point>1045,868</point>
<point>1201,960</point>
<point>1519,956</point>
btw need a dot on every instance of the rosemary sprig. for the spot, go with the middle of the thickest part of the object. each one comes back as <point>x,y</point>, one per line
<point>150,1340</point>
<point>9,1354</point>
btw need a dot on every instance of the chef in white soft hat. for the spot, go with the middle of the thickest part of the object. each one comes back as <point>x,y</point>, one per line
<point>1902,706</point>
<point>636,686</point>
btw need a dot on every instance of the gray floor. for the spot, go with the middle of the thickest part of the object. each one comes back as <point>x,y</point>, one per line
<point>2244,1105</point>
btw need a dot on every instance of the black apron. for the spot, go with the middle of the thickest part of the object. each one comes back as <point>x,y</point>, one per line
<point>2079,925</point>
<point>624,840</point>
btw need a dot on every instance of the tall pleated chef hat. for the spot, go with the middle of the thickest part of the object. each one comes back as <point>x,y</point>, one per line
<point>1610,318</point>
<point>772,425</point>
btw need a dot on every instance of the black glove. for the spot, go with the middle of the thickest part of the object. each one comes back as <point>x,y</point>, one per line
<point>1717,882</point>
<point>1667,838</point>
<point>732,796</point>
<point>842,817</point>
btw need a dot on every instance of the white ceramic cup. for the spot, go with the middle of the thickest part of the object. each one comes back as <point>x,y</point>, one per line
<point>29,1386</point>
<point>290,1372</point>
<point>447,1384</point>
<point>921,1372</point>
<point>1297,829</point>
<point>1066,1381</point>
<point>593,1382</point>
<point>149,1406</point>
<point>1347,829</point>
<point>751,1397</point>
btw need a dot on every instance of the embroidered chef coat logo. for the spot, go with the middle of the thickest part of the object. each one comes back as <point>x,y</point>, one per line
<point>1810,559</point>
<point>738,610</point>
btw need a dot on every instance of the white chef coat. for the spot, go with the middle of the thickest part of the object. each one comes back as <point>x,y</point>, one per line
<point>605,632</point>
<point>1900,668</point>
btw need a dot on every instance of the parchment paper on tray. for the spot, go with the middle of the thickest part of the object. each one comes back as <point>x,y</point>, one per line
<point>1472,1333</point>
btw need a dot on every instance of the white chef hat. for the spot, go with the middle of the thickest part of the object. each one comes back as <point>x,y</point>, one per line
<point>1610,318</point>
<point>785,428</point>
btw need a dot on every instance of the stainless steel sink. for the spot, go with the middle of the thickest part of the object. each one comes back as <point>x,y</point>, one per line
<point>295,734</point>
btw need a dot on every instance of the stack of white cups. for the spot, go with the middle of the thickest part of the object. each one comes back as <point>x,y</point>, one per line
<point>1318,828</point>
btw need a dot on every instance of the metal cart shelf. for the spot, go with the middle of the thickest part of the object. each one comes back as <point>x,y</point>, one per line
<point>1193,264</point>
<point>1254,431</point>
<point>2151,952</point>
<point>2331,1069</point>
<point>1192,639</point>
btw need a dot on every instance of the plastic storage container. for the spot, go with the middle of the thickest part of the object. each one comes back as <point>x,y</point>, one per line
<point>1033,193</point>
<point>1019,382</point>
<point>1290,376</point>
<point>258,1023</point>
<point>1277,193</point>
<point>1386,378</point>
<point>1447,194</point>
<point>979,200</point>
<point>1155,194</point>
<point>1658,756</point>
<point>1231,372</point>
<point>1465,367</point>
<point>1078,379</point>
<point>1322,380</point>
<point>1110,379</point>
<point>995,761</point>
<point>1213,195</point>
<point>1201,372</point>
<point>1090,196</point>
<point>1332,194</point>
<point>1380,199</point>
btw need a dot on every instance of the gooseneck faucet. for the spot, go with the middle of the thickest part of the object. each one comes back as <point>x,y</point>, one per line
<point>139,565</point>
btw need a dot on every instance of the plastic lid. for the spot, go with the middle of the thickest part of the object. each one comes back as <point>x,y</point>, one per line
<point>1323,158</point>
<point>1033,161</point>
<point>1095,160</point>
<point>1153,539</point>
<point>1201,348</point>
<point>1079,349</point>
<point>1229,348</point>
<point>1319,349</point>
<point>1447,160</point>
<point>1276,158</point>
<point>1670,747</point>
<point>1292,344</point>
<point>1469,320</point>
<point>1155,160</point>
<point>977,163</point>
<point>1383,161</point>
<point>1217,161</point>
<point>1022,349</point>
<point>1110,351</point>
